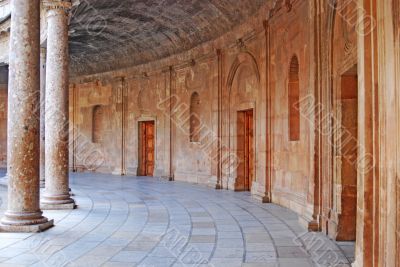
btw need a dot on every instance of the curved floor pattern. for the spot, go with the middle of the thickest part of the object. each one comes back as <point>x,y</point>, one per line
<point>129,221</point>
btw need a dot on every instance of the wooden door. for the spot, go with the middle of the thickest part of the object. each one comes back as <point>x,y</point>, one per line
<point>347,159</point>
<point>249,150</point>
<point>146,148</point>
<point>245,150</point>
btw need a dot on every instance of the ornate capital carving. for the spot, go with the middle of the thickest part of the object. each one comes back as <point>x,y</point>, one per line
<point>241,46</point>
<point>51,5</point>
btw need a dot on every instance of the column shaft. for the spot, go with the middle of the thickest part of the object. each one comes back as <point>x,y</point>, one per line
<point>42,112</point>
<point>57,194</point>
<point>24,214</point>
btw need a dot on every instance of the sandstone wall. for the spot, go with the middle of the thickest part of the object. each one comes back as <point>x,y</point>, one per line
<point>3,125</point>
<point>293,170</point>
<point>251,67</point>
<point>229,75</point>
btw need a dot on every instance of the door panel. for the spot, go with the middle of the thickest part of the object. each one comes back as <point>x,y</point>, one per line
<point>142,149</point>
<point>149,148</point>
<point>245,149</point>
<point>146,148</point>
<point>241,150</point>
<point>250,148</point>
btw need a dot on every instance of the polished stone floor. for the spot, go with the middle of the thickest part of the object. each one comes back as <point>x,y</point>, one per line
<point>130,221</point>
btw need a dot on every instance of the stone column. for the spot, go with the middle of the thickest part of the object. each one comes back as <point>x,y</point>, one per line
<point>42,112</point>
<point>24,214</point>
<point>57,194</point>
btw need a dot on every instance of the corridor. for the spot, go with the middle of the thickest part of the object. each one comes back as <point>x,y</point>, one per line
<point>130,221</point>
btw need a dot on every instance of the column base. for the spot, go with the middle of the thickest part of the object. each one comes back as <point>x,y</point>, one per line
<point>261,197</point>
<point>118,172</point>
<point>35,228</point>
<point>57,202</point>
<point>266,199</point>
<point>24,222</point>
<point>219,187</point>
<point>314,226</point>
<point>67,206</point>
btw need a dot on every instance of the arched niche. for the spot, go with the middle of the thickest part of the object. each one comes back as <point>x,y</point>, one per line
<point>195,119</point>
<point>97,124</point>
<point>243,92</point>
<point>294,99</point>
<point>342,76</point>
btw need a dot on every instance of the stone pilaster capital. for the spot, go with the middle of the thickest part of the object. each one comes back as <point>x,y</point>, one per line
<point>266,24</point>
<point>57,5</point>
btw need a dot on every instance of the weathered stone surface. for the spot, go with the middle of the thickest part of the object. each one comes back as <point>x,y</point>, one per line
<point>3,115</point>
<point>140,225</point>
<point>312,175</point>
<point>42,115</point>
<point>34,228</point>
<point>56,115</point>
<point>23,213</point>
<point>5,22</point>
<point>341,179</point>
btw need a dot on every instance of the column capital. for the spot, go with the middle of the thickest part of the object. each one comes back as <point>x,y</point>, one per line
<point>63,5</point>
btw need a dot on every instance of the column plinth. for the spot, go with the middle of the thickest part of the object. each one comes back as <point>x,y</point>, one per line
<point>57,195</point>
<point>23,213</point>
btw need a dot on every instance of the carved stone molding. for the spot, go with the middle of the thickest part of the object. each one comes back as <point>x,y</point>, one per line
<point>54,7</point>
<point>56,4</point>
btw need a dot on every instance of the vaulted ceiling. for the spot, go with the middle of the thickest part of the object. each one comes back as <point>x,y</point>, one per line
<point>110,34</point>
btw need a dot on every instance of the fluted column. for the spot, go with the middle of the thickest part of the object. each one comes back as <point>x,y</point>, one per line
<point>57,194</point>
<point>23,213</point>
<point>42,112</point>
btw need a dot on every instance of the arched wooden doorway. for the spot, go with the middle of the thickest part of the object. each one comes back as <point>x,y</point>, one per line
<point>344,133</point>
<point>241,116</point>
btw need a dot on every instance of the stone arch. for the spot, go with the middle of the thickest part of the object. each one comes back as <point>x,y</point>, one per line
<point>343,105</point>
<point>241,59</point>
<point>97,124</point>
<point>294,99</point>
<point>243,91</point>
<point>195,121</point>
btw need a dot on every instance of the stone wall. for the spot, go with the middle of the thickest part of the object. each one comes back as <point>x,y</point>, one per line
<point>317,174</point>
<point>3,125</point>
<point>293,171</point>
<point>228,79</point>
<point>123,103</point>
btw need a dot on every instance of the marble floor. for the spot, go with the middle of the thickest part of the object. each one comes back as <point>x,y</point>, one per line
<point>140,221</point>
